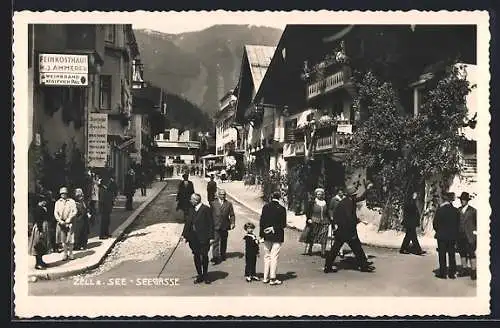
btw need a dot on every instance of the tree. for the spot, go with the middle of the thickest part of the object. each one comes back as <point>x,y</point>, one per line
<point>404,151</point>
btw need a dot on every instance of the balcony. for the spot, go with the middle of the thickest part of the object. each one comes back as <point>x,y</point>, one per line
<point>470,166</point>
<point>178,144</point>
<point>323,86</point>
<point>325,143</point>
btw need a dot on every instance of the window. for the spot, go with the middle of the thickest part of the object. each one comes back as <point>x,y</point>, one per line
<point>109,33</point>
<point>105,92</point>
<point>166,135</point>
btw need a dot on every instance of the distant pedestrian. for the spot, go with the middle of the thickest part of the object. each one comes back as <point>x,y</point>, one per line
<point>317,223</point>
<point>38,242</point>
<point>52,227</point>
<point>199,233</point>
<point>251,252</point>
<point>467,237</point>
<point>411,220</point>
<point>94,197</point>
<point>81,222</point>
<point>129,189</point>
<point>346,221</point>
<point>142,182</point>
<point>211,188</point>
<point>65,212</point>
<point>224,220</point>
<point>272,229</point>
<point>184,192</point>
<point>446,224</point>
<point>162,172</point>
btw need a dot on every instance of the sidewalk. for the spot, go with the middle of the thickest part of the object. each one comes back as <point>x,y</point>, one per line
<point>97,249</point>
<point>249,196</point>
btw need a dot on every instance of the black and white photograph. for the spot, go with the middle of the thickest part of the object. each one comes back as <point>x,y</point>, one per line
<point>251,163</point>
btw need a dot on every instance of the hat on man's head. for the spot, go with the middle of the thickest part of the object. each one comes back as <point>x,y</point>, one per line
<point>448,195</point>
<point>317,190</point>
<point>78,192</point>
<point>63,190</point>
<point>465,196</point>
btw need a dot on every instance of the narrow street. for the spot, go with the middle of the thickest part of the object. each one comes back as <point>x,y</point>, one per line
<point>135,262</point>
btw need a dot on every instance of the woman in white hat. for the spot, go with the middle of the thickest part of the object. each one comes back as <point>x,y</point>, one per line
<point>317,222</point>
<point>64,212</point>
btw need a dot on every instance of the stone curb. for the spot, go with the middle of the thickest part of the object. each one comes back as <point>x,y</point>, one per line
<point>116,236</point>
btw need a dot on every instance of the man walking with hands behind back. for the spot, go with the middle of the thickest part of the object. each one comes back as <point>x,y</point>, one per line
<point>446,224</point>
<point>272,230</point>
<point>224,220</point>
<point>199,233</point>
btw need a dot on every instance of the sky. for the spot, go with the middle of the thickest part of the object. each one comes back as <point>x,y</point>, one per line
<point>174,22</point>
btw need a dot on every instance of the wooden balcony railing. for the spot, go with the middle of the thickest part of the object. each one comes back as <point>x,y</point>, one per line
<point>325,85</point>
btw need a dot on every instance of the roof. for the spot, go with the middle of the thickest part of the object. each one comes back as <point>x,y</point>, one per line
<point>259,58</point>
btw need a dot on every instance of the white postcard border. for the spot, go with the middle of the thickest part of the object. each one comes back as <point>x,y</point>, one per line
<point>28,306</point>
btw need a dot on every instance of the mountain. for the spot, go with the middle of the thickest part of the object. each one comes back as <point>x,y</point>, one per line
<point>200,66</point>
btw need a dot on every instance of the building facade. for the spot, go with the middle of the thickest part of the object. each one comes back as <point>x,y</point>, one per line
<point>115,96</point>
<point>64,65</point>
<point>177,148</point>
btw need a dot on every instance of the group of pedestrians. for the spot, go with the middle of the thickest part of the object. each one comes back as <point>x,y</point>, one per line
<point>456,231</point>
<point>335,221</point>
<point>63,225</point>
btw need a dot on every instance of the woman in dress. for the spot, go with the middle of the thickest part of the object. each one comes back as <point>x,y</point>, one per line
<point>81,223</point>
<point>317,222</point>
<point>38,242</point>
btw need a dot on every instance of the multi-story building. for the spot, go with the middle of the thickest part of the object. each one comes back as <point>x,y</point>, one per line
<point>64,65</point>
<point>115,95</point>
<point>308,86</point>
<point>249,109</point>
<point>177,148</point>
<point>226,134</point>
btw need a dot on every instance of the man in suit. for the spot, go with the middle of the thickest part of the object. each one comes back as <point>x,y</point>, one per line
<point>211,189</point>
<point>184,192</point>
<point>346,221</point>
<point>446,224</point>
<point>272,229</point>
<point>331,210</point>
<point>107,195</point>
<point>224,220</point>
<point>467,237</point>
<point>411,220</point>
<point>199,233</point>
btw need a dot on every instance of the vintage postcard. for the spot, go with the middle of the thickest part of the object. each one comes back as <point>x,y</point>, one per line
<point>251,163</point>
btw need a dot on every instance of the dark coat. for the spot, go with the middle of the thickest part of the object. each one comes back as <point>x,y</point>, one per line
<point>199,225</point>
<point>346,219</point>
<point>332,206</point>
<point>273,215</point>
<point>468,224</point>
<point>411,217</point>
<point>211,190</point>
<point>184,193</point>
<point>251,245</point>
<point>107,194</point>
<point>129,187</point>
<point>446,223</point>
<point>223,214</point>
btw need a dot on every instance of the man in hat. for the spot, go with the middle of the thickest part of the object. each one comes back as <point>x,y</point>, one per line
<point>446,224</point>
<point>467,237</point>
<point>64,212</point>
<point>184,192</point>
<point>411,220</point>
<point>107,195</point>
<point>211,188</point>
<point>346,221</point>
